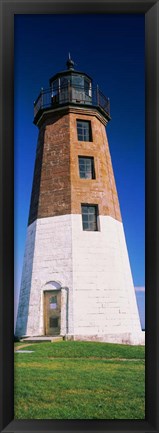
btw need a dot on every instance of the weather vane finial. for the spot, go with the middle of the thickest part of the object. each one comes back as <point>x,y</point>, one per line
<point>70,63</point>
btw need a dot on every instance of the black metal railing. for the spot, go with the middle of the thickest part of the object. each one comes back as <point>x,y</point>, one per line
<point>71,94</point>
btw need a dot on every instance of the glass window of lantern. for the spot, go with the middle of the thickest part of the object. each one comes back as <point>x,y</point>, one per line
<point>78,81</point>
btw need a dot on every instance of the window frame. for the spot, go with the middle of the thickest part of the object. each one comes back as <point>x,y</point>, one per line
<point>89,130</point>
<point>96,207</point>
<point>53,299</point>
<point>93,173</point>
<point>53,320</point>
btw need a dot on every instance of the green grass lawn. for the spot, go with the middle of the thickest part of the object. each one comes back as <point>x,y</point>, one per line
<point>79,380</point>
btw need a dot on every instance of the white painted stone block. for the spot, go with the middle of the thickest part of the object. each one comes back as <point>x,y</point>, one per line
<point>93,270</point>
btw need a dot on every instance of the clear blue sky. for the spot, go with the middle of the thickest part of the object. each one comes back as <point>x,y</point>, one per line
<point>110,48</point>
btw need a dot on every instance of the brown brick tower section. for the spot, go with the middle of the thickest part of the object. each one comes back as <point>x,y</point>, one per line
<point>57,186</point>
<point>51,192</point>
<point>102,189</point>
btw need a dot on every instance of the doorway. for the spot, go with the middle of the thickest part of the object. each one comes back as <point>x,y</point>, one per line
<point>52,312</point>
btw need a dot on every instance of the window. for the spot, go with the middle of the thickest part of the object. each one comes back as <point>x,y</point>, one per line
<point>87,87</point>
<point>89,217</point>
<point>53,302</point>
<point>53,299</point>
<point>84,130</point>
<point>78,80</point>
<point>86,167</point>
<point>55,87</point>
<point>64,81</point>
<point>53,322</point>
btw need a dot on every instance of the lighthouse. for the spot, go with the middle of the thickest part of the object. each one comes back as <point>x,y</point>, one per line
<point>76,277</point>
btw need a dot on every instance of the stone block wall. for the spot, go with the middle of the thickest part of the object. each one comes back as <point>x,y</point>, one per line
<point>104,296</point>
<point>50,242</point>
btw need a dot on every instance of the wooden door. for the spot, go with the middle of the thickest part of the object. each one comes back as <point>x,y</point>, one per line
<point>52,312</point>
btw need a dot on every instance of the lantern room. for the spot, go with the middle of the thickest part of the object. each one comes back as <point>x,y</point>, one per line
<point>71,86</point>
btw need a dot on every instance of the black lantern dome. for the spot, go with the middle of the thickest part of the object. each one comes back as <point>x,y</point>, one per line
<point>70,62</point>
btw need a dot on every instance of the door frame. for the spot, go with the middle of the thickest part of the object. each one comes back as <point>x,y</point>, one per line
<point>44,308</point>
<point>53,286</point>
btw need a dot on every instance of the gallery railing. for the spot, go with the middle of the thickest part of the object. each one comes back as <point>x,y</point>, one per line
<point>71,94</point>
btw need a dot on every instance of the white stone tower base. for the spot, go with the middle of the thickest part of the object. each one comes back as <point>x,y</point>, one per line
<point>91,269</point>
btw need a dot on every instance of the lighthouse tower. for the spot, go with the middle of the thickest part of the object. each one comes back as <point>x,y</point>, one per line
<point>76,278</point>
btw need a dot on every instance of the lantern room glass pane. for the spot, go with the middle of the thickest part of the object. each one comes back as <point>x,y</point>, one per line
<point>78,80</point>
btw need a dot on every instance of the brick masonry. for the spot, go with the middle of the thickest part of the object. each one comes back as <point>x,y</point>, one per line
<point>102,190</point>
<point>57,187</point>
<point>51,192</point>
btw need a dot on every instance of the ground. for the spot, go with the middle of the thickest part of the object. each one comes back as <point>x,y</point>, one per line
<point>79,380</point>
